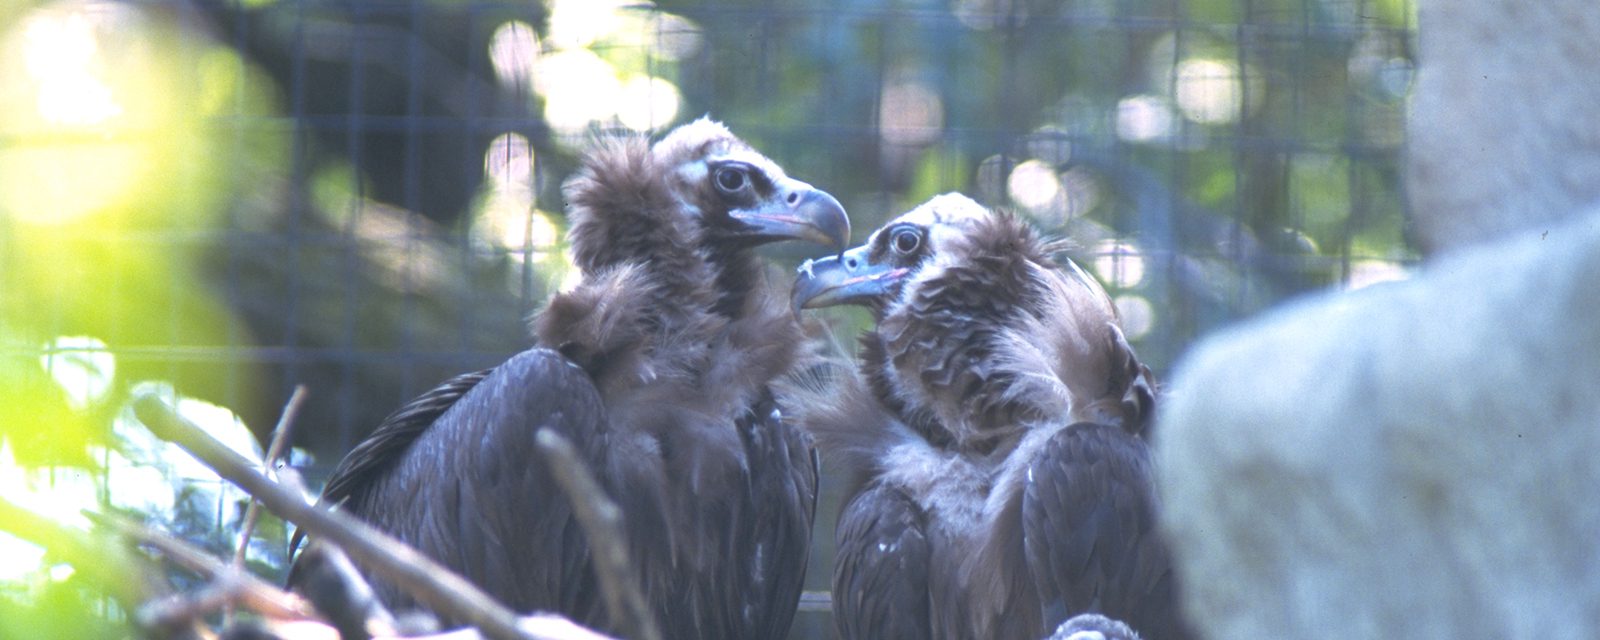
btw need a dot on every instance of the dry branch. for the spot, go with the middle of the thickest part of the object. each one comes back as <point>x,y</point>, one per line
<point>263,598</point>
<point>601,519</point>
<point>280,440</point>
<point>431,583</point>
<point>252,513</point>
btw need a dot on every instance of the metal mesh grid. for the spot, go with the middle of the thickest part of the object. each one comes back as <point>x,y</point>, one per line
<point>365,197</point>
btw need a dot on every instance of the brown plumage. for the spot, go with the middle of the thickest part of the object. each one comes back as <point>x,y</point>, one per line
<point>657,367</point>
<point>999,418</point>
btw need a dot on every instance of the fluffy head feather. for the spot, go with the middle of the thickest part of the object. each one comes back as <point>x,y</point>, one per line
<point>671,288</point>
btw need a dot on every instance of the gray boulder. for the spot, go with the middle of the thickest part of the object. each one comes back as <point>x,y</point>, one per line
<point>1416,460</point>
<point>1503,134</point>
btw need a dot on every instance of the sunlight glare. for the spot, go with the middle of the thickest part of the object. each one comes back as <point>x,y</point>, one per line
<point>648,103</point>
<point>18,558</point>
<point>82,366</point>
<point>580,23</point>
<point>579,87</point>
<point>62,56</point>
<point>58,493</point>
<point>1143,118</point>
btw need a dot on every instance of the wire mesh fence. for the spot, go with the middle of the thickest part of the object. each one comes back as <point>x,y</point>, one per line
<point>362,196</point>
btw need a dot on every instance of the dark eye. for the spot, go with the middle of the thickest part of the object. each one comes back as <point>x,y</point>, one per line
<point>906,240</point>
<point>731,179</point>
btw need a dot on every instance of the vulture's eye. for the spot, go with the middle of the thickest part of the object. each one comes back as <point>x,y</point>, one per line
<point>731,179</point>
<point>906,240</point>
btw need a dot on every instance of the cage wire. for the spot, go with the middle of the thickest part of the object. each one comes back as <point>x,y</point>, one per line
<point>225,199</point>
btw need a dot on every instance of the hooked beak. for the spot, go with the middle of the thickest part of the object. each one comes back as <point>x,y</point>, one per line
<point>798,211</point>
<point>847,278</point>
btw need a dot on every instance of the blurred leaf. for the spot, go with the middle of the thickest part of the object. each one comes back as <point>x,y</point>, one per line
<point>36,419</point>
<point>62,611</point>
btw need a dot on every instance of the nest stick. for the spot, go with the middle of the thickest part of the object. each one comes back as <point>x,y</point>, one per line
<point>601,519</point>
<point>252,513</point>
<point>264,598</point>
<point>432,583</point>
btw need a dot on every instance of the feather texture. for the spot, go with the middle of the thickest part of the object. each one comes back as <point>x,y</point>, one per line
<point>658,367</point>
<point>998,417</point>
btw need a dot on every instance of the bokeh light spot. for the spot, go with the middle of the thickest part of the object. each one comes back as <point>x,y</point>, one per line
<point>1208,91</point>
<point>514,52</point>
<point>1143,118</point>
<point>1034,186</point>
<point>580,23</point>
<point>648,103</point>
<point>1119,264</point>
<point>579,87</point>
<point>910,113</point>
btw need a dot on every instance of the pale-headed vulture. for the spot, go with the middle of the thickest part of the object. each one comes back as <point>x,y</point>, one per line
<point>998,420</point>
<point>657,367</point>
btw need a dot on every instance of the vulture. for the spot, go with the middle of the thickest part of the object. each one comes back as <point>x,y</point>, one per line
<point>657,367</point>
<point>997,424</point>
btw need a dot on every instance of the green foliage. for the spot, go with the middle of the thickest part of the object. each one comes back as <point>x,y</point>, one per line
<point>62,610</point>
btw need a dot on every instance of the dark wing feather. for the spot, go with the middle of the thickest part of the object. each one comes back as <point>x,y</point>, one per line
<point>1089,532</point>
<point>880,572</point>
<point>472,491</point>
<point>371,457</point>
<point>775,535</point>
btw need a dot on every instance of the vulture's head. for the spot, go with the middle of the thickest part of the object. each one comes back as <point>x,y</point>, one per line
<point>739,197</point>
<point>663,234</point>
<point>981,332</point>
<point>700,192</point>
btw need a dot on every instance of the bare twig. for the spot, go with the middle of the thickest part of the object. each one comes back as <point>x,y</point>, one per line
<point>179,609</point>
<point>602,521</point>
<point>253,592</point>
<point>252,513</point>
<point>432,584</point>
<point>280,441</point>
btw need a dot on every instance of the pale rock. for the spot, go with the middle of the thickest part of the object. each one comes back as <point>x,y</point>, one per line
<point>1504,131</point>
<point>1413,460</point>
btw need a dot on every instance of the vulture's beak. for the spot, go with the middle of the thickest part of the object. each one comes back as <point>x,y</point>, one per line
<point>798,211</point>
<point>847,278</point>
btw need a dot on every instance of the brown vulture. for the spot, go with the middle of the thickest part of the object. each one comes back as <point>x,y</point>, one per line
<point>657,367</point>
<point>998,422</point>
